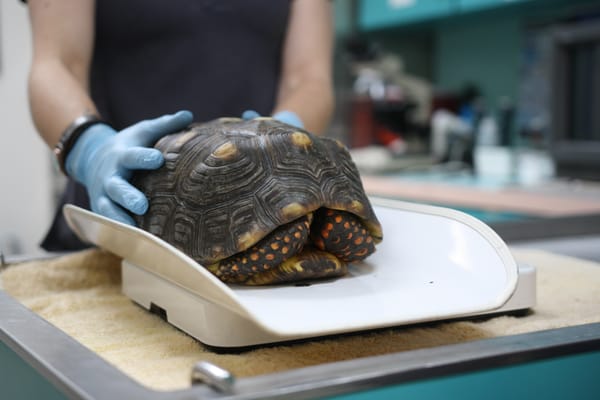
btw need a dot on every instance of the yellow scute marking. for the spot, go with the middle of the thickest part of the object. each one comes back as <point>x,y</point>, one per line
<point>357,206</point>
<point>225,151</point>
<point>293,210</point>
<point>301,139</point>
<point>229,119</point>
<point>247,239</point>
<point>182,139</point>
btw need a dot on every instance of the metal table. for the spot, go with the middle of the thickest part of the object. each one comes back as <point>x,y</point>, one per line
<point>39,361</point>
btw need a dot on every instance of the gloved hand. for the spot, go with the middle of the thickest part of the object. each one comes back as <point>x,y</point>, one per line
<point>287,117</point>
<point>103,161</point>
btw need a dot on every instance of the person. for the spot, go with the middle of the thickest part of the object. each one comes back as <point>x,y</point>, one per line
<point>106,77</point>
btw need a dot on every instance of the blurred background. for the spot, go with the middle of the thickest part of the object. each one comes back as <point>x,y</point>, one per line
<point>491,107</point>
<point>464,80</point>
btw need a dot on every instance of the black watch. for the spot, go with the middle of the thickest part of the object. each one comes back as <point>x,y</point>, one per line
<point>70,136</point>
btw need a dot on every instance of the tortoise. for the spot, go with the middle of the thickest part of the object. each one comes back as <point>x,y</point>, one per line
<point>259,202</point>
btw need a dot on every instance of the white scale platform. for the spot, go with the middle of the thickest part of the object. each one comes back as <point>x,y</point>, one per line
<point>433,264</point>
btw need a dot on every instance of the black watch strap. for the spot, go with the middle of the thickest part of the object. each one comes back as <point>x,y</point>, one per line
<point>70,136</point>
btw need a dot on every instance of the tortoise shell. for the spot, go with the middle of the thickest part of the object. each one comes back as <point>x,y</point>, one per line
<point>228,183</point>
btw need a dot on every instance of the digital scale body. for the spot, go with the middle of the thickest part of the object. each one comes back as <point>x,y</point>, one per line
<point>434,263</point>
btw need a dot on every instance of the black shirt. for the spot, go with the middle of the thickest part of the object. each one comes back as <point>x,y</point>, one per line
<point>152,57</point>
<point>213,57</point>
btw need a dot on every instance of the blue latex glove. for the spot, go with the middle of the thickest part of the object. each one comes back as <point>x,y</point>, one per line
<point>287,117</point>
<point>103,161</point>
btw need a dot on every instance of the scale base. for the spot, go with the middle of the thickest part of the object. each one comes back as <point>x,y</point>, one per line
<point>210,323</point>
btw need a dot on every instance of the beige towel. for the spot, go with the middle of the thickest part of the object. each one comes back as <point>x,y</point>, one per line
<point>80,294</point>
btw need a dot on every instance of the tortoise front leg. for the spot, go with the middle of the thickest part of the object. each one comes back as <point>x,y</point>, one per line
<point>342,234</point>
<point>267,254</point>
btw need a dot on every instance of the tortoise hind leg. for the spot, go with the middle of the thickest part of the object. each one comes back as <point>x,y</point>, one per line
<point>342,234</point>
<point>307,265</point>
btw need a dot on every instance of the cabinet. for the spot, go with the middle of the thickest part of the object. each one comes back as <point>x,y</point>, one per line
<point>379,14</point>
<point>376,14</point>
<point>476,5</point>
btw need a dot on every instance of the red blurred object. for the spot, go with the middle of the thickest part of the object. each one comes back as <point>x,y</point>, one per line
<point>445,101</point>
<point>362,118</point>
<point>384,135</point>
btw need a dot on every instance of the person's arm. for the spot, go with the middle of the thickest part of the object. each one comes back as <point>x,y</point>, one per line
<point>63,36</point>
<point>306,86</point>
<point>98,157</point>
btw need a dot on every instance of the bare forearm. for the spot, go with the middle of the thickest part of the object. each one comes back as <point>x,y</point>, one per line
<point>63,35</point>
<point>312,101</point>
<point>306,83</point>
<point>56,98</point>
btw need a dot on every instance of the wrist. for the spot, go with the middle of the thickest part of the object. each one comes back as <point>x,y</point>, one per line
<point>83,149</point>
<point>289,117</point>
<point>70,135</point>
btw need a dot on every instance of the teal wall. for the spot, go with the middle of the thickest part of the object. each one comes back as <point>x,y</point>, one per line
<point>416,48</point>
<point>343,17</point>
<point>484,51</point>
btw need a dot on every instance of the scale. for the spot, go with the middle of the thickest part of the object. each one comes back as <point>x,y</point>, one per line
<point>434,263</point>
